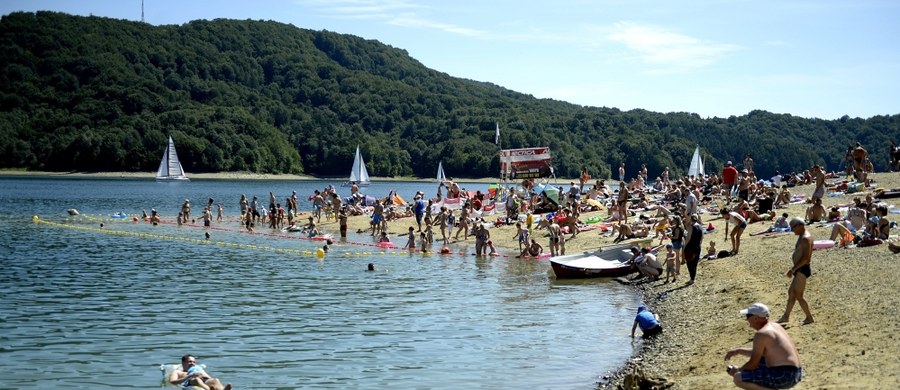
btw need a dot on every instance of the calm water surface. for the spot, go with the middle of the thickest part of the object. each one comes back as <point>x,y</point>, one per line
<point>81,307</point>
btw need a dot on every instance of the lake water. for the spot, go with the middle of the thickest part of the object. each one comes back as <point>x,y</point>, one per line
<point>85,307</point>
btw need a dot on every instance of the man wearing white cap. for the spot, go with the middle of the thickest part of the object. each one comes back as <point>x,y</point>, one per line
<point>774,361</point>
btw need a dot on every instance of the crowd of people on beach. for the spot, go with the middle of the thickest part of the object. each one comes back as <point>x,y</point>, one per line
<point>675,211</point>
<point>773,359</point>
<point>666,208</point>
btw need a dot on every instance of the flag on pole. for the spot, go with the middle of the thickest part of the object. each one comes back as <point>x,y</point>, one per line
<point>497,135</point>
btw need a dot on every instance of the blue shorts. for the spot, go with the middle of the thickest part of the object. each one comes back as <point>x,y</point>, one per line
<point>376,218</point>
<point>676,244</point>
<point>783,377</point>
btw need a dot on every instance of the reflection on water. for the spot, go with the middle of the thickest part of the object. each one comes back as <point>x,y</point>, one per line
<point>83,308</point>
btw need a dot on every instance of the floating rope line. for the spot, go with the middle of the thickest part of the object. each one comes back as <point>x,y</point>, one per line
<point>101,218</point>
<point>319,252</point>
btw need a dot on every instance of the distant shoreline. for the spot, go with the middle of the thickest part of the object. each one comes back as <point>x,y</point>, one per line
<point>223,176</point>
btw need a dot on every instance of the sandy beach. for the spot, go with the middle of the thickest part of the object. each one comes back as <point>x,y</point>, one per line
<point>852,294</point>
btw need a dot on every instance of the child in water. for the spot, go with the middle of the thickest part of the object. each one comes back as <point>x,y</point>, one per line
<point>493,251</point>
<point>522,235</point>
<point>195,378</point>
<point>429,234</point>
<point>411,243</point>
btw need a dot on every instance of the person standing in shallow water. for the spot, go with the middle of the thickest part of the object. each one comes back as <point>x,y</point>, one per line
<point>342,220</point>
<point>800,271</point>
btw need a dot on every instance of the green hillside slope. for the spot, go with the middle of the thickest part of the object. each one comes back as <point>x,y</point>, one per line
<point>98,94</point>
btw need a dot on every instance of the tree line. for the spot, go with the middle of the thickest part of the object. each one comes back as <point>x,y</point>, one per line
<point>100,94</point>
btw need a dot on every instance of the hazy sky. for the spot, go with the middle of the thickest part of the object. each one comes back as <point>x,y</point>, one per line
<point>817,58</point>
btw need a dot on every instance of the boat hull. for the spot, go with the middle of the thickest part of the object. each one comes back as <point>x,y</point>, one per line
<point>610,262</point>
<point>566,272</point>
<point>172,179</point>
<point>349,184</point>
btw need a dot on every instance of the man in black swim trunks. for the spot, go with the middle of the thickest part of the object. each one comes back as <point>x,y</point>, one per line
<point>800,271</point>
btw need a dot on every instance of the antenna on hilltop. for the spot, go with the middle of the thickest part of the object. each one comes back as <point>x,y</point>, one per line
<point>142,11</point>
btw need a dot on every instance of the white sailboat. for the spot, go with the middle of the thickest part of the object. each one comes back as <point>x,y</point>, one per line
<point>696,168</point>
<point>170,167</point>
<point>441,177</point>
<point>358,174</point>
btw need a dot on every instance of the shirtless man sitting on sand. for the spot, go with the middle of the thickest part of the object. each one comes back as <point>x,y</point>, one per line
<point>774,361</point>
<point>816,212</point>
<point>191,374</point>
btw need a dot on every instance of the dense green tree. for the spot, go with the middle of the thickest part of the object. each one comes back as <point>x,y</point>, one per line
<point>98,94</point>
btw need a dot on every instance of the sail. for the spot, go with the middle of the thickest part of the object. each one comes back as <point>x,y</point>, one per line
<point>170,167</point>
<point>440,172</point>
<point>696,168</point>
<point>358,173</point>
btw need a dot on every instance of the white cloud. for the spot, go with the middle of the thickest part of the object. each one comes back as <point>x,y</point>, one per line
<point>667,51</point>
<point>412,20</point>
<point>394,12</point>
<point>355,8</point>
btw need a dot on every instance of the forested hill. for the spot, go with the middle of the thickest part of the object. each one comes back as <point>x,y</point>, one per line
<point>98,94</point>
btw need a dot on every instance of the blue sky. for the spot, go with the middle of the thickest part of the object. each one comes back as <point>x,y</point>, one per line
<point>820,58</point>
